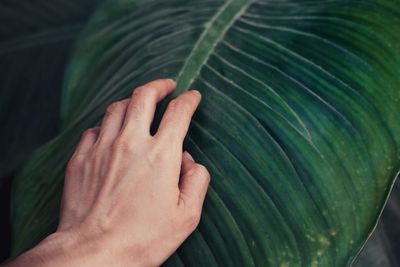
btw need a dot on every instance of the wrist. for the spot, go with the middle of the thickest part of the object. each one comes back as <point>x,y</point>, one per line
<point>62,249</point>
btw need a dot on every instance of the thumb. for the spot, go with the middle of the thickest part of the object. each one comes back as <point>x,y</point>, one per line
<point>193,184</point>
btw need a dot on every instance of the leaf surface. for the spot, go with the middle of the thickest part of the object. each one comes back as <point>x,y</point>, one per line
<point>298,123</point>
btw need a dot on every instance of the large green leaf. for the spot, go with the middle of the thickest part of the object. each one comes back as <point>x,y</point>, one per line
<point>298,124</point>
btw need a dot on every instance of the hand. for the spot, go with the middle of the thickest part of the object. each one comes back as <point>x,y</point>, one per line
<point>130,198</point>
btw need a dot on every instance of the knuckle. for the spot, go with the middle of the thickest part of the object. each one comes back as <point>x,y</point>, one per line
<point>158,154</point>
<point>173,104</point>
<point>114,108</point>
<point>141,97</point>
<point>89,132</point>
<point>140,91</point>
<point>122,145</point>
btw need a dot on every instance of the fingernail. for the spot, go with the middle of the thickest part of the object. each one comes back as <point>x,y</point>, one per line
<point>187,155</point>
<point>172,80</point>
<point>196,91</point>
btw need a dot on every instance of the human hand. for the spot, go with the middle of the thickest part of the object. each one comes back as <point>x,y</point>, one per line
<point>130,198</point>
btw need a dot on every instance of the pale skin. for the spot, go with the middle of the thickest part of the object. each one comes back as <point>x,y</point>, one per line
<point>130,198</point>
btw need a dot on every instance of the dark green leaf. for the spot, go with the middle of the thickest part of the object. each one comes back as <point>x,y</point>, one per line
<point>298,124</point>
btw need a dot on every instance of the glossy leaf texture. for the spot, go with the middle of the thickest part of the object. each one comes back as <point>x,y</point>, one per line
<point>35,42</point>
<point>298,123</point>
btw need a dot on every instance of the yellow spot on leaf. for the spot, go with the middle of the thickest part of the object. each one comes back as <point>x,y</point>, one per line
<point>333,232</point>
<point>324,241</point>
<point>315,263</point>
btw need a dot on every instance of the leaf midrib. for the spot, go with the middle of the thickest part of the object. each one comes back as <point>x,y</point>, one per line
<point>214,31</point>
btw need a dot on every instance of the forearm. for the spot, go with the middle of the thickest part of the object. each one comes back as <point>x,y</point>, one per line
<point>60,250</point>
<point>66,250</point>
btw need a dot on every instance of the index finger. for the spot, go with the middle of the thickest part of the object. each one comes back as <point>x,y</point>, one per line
<point>176,120</point>
<point>140,112</point>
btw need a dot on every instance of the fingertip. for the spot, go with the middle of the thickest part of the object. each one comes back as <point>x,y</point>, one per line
<point>166,83</point>
<point>171,81</point>
<point>206,174</point>
<point>188,156</point>
<point>177,117</point>
<point>196,93</point>
<point>170,84</point>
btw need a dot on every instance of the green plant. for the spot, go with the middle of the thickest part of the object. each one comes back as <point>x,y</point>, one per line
<point>298,124</point>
